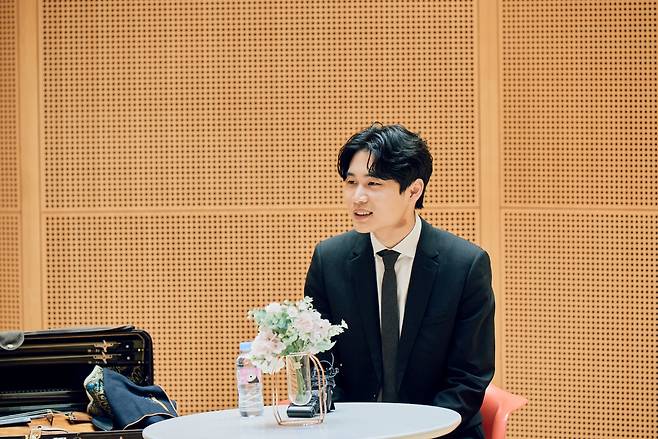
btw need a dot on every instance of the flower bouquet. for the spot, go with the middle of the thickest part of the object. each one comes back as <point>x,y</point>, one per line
<point>290,334</point>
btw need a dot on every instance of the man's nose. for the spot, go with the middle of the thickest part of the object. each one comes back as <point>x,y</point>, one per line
<point>360,195</point>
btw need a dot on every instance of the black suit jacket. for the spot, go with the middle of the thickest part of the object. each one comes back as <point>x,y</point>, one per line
<point>446,348</point>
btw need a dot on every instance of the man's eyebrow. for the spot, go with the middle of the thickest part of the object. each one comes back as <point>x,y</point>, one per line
<point>352,174</point>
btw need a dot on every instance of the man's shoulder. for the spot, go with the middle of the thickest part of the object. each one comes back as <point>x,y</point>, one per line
<point>341,243</point>
<point>448,242</point>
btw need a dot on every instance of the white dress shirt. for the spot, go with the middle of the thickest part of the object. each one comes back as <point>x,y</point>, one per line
<point>403,265</point>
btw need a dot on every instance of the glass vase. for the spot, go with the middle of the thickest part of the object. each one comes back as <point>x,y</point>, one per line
<point>298,378</point>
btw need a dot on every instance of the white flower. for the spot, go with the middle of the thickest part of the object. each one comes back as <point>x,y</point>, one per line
<point>273,308</point>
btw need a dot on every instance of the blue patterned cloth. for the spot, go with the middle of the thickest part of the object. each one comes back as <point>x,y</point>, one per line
<point>116,403</point>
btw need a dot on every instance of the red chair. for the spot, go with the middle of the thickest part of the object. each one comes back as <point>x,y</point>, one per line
<point>496,408</point>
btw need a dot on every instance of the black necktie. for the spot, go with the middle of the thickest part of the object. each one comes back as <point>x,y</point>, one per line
<point>390,319</point>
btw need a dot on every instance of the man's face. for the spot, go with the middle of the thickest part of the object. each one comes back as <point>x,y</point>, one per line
<point>376,205</point>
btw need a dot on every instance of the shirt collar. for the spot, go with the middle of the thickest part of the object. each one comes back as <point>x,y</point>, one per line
<point>407,246</point>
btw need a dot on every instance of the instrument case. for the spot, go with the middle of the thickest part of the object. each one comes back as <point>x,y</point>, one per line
<point>45,370</point>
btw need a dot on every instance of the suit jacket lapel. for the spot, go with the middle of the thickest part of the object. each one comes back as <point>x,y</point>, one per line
<point>423,273</point>
<point>361,268</point>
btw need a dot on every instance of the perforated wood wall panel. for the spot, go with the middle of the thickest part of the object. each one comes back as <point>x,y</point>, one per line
<point>462,222</point>
<point>10,293</point>
<point>580,103</point>
<point>151,104</point>
<point>189,155</point>
<point>581,309</point>
<point>580,179</point>
<point>189,279</point>
<point>9,194</point>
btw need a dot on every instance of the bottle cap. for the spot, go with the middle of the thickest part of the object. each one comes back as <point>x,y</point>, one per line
<point>245,346</point>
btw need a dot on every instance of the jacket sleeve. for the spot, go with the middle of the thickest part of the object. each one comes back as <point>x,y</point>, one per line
<point>314,287</point>
<point>471,358</point>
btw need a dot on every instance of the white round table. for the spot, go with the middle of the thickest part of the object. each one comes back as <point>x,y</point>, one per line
<point>358,420</point>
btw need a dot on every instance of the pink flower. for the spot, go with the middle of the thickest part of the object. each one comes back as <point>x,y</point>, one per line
<point>266,344</point>
<point>306,323</point>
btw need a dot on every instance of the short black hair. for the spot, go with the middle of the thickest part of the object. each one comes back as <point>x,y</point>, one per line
<point>395,154</point>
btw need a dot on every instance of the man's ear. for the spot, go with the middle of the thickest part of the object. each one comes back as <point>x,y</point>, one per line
<point>416,189</point>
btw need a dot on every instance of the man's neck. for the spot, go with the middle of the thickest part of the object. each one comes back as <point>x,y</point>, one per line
<point>393,237</point>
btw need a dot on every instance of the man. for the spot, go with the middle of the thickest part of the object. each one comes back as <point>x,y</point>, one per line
<point>417,300</point>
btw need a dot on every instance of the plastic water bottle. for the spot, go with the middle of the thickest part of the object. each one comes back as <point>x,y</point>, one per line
<point>250,384</point>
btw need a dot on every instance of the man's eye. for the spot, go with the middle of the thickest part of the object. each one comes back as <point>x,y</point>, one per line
<point>374,183</point>
<point>350,182</point>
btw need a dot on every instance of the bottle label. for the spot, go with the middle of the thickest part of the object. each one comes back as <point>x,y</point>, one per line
<point>249,375</point>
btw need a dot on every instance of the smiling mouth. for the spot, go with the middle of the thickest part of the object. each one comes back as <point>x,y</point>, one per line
<point>362,213</point>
